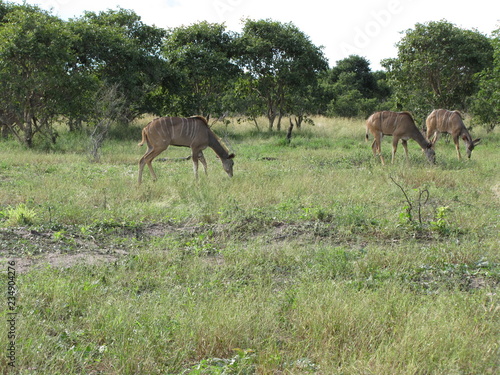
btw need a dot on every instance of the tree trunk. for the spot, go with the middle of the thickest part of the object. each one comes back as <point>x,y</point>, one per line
<point>278,126</point>
<point>5,131</point>
<point>298,121</point>
<point>256,124</point>
<point>27,129</point>
<point>271,117</point>
<point>28,134</point>
<point>289,133</point>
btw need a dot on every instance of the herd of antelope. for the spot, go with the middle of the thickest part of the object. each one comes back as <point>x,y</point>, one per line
<point>195,133</point>
<point>401,126</point>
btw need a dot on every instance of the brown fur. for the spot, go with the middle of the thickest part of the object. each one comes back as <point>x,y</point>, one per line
<point>444,121</point>
<point>400,126</point>
<point>190,132</point>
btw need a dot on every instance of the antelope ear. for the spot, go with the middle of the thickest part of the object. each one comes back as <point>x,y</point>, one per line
<point>231,156</point>
<point>476,141</point>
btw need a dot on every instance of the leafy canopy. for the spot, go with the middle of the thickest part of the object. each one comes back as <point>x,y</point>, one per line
<point>436,65</point>
<point>202,57</point>
<point>281,63</point>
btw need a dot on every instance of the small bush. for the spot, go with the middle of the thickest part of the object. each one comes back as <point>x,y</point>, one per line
<point>19,216</point>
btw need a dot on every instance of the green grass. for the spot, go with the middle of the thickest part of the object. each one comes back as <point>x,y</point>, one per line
<point>305,262</point>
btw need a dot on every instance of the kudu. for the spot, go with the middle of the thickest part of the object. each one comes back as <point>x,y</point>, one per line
<point>444,121</point>
<point>402,127</point>
<point>190,132</point>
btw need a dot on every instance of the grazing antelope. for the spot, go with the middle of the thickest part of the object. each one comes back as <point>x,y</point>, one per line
<point>401,126</point>
<point>190,132</point>
<point>444,121</point>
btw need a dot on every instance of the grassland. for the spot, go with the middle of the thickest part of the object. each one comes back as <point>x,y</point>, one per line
<point>312,259</point>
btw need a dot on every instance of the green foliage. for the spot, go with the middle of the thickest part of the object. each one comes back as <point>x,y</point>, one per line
<point>21,215</point>
<point>122,52</point>
<point>270,69</point>
<point>352,89</point>
<point>351,104</point>
<point>35,57</point>
<point>242,364</point>
<point>485,105</point>
<point>202,55</point>
<point>441,224</point>
<point>44,61</point>
<point>436,66</point>
<point>281,64</point>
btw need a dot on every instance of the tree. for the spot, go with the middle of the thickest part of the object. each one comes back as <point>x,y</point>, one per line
<point>485,105</point>
<point>202,57</point>
<point>358,68</point>
<point>51,69</point>
<point>436,66</point>
<point>122,52</point>
<point>281,66</point>
<point>352,89</point>
<point>35,60</point>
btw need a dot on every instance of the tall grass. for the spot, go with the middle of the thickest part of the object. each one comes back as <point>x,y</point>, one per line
<point>306,261</point>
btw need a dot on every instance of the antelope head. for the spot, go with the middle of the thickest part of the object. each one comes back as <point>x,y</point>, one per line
<point>470,146</point>
<point>430,153</point>
<point>227,164</point>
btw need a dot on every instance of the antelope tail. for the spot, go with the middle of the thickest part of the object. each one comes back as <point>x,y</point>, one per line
<point>144,137</point>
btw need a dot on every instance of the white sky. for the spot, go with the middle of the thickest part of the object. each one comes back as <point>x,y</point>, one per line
<point>366,28</point>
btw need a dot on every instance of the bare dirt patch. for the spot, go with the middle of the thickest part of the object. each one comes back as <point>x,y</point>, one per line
<point>60,260</point>
<point>36,248</point>
<point>31,248</point>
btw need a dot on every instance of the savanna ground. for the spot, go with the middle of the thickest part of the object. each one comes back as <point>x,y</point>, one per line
<point>312,259</point>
